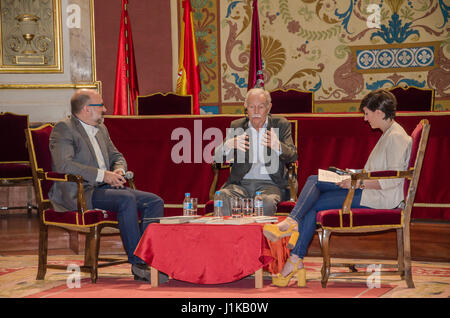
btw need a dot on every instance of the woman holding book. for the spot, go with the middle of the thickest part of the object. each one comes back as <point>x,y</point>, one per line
<point>390,153</point>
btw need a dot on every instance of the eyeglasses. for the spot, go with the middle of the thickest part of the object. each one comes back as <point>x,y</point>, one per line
<point>98,105</point>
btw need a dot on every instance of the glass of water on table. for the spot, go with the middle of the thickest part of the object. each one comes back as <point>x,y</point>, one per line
<point>236,211</point>
<point>247,206</point>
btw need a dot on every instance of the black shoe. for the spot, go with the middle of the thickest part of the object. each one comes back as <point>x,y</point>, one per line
<point>141,272</point>
<point>163,278</point>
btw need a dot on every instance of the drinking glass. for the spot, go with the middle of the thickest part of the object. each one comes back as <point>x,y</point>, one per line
<point>194,202</point>
<point>247,206</point>
<point>235,207</point>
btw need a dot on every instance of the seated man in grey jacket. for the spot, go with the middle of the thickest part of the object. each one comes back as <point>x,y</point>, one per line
<point>259,145</point>
<point>81,145</point>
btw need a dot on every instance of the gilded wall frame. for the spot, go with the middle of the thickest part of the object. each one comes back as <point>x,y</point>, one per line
<point>30,36</point>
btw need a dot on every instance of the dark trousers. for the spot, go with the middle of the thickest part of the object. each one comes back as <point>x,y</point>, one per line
<point>317,196</point>
<point>127,202</point>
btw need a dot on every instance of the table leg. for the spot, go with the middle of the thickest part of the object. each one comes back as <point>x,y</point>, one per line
<point>154,277</point>
<point>259,278</point>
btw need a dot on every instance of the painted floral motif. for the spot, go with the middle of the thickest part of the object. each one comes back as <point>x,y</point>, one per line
<point>307,44</point>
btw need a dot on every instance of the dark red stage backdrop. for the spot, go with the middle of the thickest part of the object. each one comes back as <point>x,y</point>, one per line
<point>322,140</point>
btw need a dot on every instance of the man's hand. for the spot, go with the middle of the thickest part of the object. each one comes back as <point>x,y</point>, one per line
<point>114,178</point>
<point>270,139</point>
<point>239,142</point>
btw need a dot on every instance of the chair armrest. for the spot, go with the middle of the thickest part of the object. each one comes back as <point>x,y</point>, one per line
<point>374,175</point>
<point>388,174</point>
<point>62,177</point>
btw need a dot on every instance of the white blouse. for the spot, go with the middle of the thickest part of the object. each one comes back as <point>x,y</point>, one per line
<point>391,152</point>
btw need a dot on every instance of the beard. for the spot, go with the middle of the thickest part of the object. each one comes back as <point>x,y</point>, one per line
<point>101,119</point>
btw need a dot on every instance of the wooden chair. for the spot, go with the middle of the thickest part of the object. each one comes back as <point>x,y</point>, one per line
<point>362,221</point>
<point>89,222</point>
<point>164,104</point>
<point>413,98</point>
<point>291,101</point>
<point>15,167</point>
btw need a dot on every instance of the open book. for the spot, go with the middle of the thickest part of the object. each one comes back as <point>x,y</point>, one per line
<point>330,176</point>
<point>177,219</point>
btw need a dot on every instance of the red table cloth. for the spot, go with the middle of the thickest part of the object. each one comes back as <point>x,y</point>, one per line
<point>205,253</point>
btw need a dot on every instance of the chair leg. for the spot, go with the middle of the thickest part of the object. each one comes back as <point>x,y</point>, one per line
<point>91,253</point>
<point>400,253</point>
<point>407,257</point>
<point>326,257</point>
<point>29,203</point>
<point>43,249</point>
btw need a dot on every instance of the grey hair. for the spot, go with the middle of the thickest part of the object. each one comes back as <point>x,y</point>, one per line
<point>259,90</point>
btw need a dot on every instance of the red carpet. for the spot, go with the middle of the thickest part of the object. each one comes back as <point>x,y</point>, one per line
<point>124,287</point>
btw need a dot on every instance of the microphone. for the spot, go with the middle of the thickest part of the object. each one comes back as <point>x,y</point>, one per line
<point>129,175</point>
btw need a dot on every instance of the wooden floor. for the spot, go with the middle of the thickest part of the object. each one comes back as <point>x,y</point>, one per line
<point>19,235</point>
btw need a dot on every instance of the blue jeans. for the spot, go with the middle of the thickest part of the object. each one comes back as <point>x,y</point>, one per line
<point>317,196</point>
<point>127,202</point>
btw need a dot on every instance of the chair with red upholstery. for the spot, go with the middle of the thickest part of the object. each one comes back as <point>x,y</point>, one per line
<point>292,101</point>
<point>164,104</point>
<point>89,222</point>
<point>15,167</point>
<point>362,221</point>
<point>413,98</point>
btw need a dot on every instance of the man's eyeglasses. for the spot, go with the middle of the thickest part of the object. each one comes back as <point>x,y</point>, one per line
<point>98,105</point>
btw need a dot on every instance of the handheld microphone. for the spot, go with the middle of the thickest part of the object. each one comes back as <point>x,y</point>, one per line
<point>129,175</point>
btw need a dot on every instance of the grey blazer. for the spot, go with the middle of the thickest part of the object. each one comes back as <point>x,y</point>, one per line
<point>288,152</point>
<point>72,153</point>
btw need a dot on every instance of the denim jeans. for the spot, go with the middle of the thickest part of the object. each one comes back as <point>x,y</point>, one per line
<point>127,202</point>
<point>317,196</point>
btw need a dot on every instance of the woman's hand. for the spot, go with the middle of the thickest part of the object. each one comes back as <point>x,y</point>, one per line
<point>344,184</point>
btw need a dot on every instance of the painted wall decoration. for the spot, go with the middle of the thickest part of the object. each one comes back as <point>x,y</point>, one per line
<point>340,50</point>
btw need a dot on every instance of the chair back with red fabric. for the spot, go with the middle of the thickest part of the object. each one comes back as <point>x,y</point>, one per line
<point>14,162</point>
<point>164,104</point>
<point>419,143</point>
<point>41,157</point>
<point>416,136</point>
<point>291,101</point>
<point>12,141</point>
<point>413,98</point>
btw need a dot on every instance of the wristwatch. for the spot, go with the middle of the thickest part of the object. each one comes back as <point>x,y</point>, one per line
<point>361,184</point>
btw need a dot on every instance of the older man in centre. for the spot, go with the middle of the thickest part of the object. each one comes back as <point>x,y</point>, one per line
<point>259,146</point>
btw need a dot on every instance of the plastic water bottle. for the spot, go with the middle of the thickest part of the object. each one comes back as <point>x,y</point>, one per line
<point>218,204</point>
<point>258,204</point>
<point>187,208</point>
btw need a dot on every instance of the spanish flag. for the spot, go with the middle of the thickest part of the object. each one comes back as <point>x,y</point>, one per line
<point>188,82</point>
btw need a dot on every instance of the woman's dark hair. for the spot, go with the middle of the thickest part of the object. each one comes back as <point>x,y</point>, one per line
<point>382,100</point>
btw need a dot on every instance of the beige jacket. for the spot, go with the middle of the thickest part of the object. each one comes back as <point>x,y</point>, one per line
<point>391,152</point>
